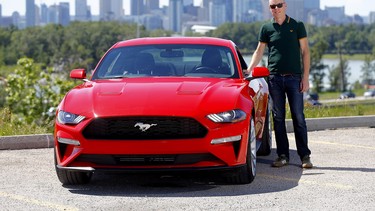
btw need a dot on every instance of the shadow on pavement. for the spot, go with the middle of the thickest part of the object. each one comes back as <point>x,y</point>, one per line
<point>268,179</point>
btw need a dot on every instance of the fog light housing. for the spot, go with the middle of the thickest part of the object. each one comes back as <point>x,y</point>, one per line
<point>68,141</point>
<point>226,139</point>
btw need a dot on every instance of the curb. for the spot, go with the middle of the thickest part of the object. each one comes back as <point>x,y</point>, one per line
<point>316,124</point>
<point>26,142</point>
<point>313,124</point>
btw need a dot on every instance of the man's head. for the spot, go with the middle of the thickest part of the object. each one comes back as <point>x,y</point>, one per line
<point>277,8</point>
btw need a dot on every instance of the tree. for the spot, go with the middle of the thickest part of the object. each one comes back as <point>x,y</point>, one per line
<point>335,76</point>
<point>368,71</point>
<point>318,48</point>
<point>343,69</point>
<point>245,35</point>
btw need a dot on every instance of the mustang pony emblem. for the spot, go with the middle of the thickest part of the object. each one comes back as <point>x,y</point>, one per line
<point>143,127</point>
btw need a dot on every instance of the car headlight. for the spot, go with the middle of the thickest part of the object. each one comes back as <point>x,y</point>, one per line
<point>231,116</point>
<point>69,118</point>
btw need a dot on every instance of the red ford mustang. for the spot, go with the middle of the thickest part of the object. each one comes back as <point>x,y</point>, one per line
<point>164,104</point>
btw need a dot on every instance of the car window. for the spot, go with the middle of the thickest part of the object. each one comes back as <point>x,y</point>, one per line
<point>242,60</point>
<point>168,60</point>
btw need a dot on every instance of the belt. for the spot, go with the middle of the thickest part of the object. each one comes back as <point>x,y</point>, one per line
<point>288,74</point>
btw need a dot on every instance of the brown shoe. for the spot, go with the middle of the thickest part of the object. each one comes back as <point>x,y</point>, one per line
<point>306,162</point>
<point>281,161</point>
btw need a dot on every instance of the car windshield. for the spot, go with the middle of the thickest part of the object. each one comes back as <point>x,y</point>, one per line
<point>168,60</point>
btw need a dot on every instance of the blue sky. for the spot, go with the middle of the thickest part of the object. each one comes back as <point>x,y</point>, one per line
<point>361,7</point>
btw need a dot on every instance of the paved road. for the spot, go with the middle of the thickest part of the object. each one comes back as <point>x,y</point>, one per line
<point>343,179</point>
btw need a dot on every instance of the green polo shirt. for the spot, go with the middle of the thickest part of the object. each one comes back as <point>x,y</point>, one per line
<point>284,53</point>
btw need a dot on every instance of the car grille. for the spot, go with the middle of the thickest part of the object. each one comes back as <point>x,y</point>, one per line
<point>146,160</point>
<point>144,128</point>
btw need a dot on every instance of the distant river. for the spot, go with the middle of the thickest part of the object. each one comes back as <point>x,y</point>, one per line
<point>355,68</point>
<point>354,65</point>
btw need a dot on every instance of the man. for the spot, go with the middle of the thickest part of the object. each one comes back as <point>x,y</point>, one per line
<point>287,44</point>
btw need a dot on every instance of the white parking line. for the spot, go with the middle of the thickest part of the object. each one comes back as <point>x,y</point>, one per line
<point>37,202</point>
<point>344,145</point>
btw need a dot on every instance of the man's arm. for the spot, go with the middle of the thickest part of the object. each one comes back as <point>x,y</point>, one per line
<point>305,52</point>
<point>257,56</point>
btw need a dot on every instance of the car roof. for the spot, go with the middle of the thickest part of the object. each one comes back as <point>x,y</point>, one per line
<point>175,40</point>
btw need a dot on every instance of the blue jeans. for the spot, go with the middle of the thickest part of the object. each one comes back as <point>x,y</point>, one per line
<point>281,87</point>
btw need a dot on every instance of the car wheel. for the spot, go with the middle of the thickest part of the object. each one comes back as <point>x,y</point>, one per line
<point>265,147</point>
<point>246,174</point>
<point>68,177</point>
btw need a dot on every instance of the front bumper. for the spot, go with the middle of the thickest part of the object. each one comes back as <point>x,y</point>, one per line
<point>75,152</point>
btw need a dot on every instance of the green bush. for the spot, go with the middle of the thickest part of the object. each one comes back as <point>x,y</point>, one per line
<point>32,92</point>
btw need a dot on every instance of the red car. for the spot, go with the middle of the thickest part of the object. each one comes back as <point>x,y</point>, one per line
<point>161,104</point>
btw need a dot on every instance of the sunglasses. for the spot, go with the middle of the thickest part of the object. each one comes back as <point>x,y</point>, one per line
<point>279,5</point>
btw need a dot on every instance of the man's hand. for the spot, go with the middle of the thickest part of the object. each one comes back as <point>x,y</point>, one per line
<point>247,71</point>
<point>304,85</point>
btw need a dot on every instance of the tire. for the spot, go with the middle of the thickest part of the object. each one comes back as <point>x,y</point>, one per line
<point>265,147</point>
<point>246,174</point>
<point>69,177</point>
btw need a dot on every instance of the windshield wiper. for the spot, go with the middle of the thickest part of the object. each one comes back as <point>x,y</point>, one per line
<point>115,77</point>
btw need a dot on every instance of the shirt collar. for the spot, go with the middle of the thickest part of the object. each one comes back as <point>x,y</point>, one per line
<point>287,20</point>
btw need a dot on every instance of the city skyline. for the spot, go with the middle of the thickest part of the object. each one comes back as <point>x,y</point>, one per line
<point>360,7</point>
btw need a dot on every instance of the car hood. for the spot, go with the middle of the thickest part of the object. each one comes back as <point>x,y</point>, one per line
<point>154,96</point>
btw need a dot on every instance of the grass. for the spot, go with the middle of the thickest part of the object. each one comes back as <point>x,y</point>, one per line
<point>346,56</point>
<point>9,126</point>
<point>338,108</point>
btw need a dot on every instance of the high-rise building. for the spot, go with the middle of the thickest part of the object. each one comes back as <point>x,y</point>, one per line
<point>205,3</point>
<point>82,10</point>
<point>136,7</point>
<point>175,11</point>
<point>240,8</point>
<point>30,13</point>
<point>1,15</point>
<point>237,10</point>
<point>37,15</point>
<point>152,22</point>
<point>372,17</point>
<point>151,5</point>
<point>217,12</point>
<point>43,14</point>
<point>229,10</point>
<point>313,13</point>
<point>336,14</point>
<point>247,10</point>
<point>105,12</point>
<point>111,10</point>
<point>180,14</point>
<point>295,9</point>
<point>188,2</point>
<point>53,12</point>
<point>203,11</point>
<point>312,4</point>
<point>255,12</point>
<point>117,8</point>
<point>64,13</point>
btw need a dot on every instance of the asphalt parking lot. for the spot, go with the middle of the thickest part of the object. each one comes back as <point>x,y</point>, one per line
<point>342,179</point>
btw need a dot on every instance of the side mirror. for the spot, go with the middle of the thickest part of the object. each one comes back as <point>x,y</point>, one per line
<point>258,72</point>
<point>78,74</point>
